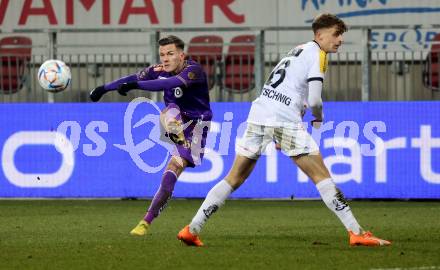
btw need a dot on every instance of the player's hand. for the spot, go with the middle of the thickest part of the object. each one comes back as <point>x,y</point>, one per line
<point>304,110</point>
<point>174,126</point>
<point>123,88</point>
<point>97,93</point>
<point>316,123</point>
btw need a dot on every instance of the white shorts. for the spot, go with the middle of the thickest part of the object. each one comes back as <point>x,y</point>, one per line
<point>293,141</point>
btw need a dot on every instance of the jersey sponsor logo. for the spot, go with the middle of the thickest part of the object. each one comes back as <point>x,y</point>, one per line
<point>277,96</point>
<point>191,75</point>
<point>178,92</point>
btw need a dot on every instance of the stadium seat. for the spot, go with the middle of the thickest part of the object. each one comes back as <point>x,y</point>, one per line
<point>15,54</point>
<point>431,70</point>
<point>239,64</point>
<point>207,51</point>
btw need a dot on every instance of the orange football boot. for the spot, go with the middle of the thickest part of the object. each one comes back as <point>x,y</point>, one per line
<point>188,238</point>
<point>366,239</point>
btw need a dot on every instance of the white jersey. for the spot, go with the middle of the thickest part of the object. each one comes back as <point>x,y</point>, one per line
<point>285,93</point>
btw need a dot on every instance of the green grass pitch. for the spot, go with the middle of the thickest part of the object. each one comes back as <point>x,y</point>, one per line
<point>244,234</point>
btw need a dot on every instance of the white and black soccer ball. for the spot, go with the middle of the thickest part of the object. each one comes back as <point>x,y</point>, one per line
<point>54,75</point>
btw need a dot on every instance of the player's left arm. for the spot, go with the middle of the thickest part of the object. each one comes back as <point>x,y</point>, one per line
<point>187,77</point>
<point>315,101</point>
<point>315,80</point>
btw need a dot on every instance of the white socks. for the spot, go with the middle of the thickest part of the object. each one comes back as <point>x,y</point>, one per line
<point>331,195</point>
<point>214,200</point>
<point>335,201</point>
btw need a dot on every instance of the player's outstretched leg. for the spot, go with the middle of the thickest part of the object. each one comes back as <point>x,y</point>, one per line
<point>216,197</point>
<point>314,167</point>
<point>214,200</point>
<point>158,204</point>
<point>335,201</point>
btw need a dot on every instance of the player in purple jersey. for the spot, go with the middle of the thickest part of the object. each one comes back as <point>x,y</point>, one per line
<point>185,119</point>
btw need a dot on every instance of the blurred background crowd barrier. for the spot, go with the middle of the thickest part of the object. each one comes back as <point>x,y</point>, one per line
<point>366,70</point>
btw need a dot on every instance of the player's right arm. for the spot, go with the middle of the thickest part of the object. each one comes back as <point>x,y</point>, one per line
<point>149,73</point>
<point>190,75</point>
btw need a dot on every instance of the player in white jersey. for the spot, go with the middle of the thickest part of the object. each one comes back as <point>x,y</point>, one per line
<point>284,94</point>
<point>277,115</point>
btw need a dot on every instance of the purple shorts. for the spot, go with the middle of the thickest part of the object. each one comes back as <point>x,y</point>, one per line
<point>196,133</point>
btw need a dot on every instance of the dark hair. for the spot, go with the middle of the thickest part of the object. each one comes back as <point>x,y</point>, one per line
<point>327,20</point>
<point>172,40</point>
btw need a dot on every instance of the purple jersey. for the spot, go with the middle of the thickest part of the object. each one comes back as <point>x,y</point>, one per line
<point>188,89</point>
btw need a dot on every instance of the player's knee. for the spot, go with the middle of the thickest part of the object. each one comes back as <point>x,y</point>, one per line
<point>177,164</point>
<point>235,182</point>
<point>317,177</point>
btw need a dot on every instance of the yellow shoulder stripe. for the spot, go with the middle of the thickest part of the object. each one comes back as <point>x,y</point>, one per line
<point>322,61</point>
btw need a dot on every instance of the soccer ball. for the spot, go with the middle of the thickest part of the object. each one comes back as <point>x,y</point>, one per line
<point>54,75</point>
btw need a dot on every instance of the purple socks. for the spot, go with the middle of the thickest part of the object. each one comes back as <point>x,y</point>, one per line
<point>162,195</point>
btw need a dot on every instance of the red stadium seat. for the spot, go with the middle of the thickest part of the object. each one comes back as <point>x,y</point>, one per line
<point>15,54</point>
<point>239,64</point>
<point>431,71</point>
<point>207,51</point>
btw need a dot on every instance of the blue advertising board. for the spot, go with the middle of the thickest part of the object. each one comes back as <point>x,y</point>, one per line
<point>373,150</point>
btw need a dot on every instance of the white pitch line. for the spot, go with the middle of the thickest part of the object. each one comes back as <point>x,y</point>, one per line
<point>410,268</point>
